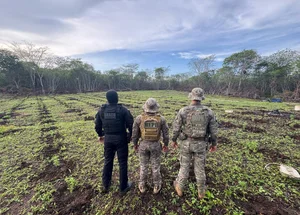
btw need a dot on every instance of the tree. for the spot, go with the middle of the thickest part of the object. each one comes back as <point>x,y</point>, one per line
<point>129,70</point>
<point>141,79</point>
<point>11,69</point>
<point>202,64</point>
<point>113,79</point>
<point>242,63</point>
<point>30,53</point>
<point>159,74</point>
<point>296,74</point>
<point>278,72</point>
<point>225,80</point>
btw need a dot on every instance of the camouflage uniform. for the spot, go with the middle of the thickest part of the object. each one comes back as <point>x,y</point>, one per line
<point>194,147</point>
<point>150,151</point>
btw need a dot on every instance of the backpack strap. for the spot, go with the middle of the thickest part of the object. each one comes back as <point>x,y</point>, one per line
<point>102,110</point>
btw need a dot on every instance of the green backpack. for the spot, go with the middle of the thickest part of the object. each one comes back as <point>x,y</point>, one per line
<point>196,122</point>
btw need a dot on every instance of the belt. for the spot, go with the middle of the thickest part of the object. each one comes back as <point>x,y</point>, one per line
<point>198,138</point>
<point>114,133</point>
<point>150,140</point>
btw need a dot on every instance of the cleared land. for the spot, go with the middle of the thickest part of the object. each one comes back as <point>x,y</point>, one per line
<point>51,162</point>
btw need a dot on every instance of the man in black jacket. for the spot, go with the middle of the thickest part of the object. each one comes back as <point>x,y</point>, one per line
<point>112,122</point>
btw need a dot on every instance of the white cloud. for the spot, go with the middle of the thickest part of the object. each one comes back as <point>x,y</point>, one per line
<point>220,59</point>
<point>197,54</point>
<point>187,55</point>
<point>203,55</point>
<point>79,27</point>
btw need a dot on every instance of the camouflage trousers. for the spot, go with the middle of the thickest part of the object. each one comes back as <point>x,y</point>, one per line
<point>150,153</point>
<point>192,150</point>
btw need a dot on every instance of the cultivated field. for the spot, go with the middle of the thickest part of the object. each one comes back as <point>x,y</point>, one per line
<point>51,161</point>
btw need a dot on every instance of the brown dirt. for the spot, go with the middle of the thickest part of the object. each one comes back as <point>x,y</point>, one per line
<point>20,108</point>
<point>75,203</point>
<point>262,205</point>
<point>14,114</point>
<point>62,102</point>
<point>50,150</point>
<point>296,126</point>
<point>70,108</point>
<point>232,116</point>
<point>44,112</point>
<point>224,140</point>
<point>51,172</point>
<point>6,133</point>
<point>3,122</point>
<point>17,207</point>
<point>227,125</point>
<point>23,165</point>
<point>72,98</point>
<point>2,115</point>
<point>91,104</point>
<point>272,154</point>
<point>254,129</point>
<point>73,110</point>
<point>296,137</point>
<point>283,114</point>
<point>88,118</point>
<point>48,129</point>
<point>256,112</point>
<point>48,121</point>
<point>261,120</point>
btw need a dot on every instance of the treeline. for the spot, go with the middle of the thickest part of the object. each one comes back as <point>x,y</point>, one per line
<point>26,68</point>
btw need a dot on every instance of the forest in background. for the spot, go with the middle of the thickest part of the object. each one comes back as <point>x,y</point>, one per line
<point>30,69</point>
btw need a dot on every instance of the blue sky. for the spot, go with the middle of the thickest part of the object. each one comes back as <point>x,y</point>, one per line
<point>111,33</point>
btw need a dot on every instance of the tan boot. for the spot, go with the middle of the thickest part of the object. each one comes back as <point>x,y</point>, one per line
<point>201,194</point>
<point>142,188</point>
<point>156,189</point>
<point>178,189</point>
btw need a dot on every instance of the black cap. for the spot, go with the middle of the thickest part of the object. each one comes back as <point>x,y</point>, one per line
<point>112,97</point>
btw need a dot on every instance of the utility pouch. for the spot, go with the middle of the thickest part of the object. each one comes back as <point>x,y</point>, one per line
<point>182,136</point>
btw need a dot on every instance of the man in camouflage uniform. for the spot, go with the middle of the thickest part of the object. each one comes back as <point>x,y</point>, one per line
<point>149,126</point>
<point>192,125</point>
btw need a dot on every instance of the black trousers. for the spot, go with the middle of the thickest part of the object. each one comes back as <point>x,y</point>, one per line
<point>113,144</point>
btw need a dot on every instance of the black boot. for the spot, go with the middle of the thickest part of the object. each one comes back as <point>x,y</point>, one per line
<point>129,186</point>
<point>105,189</point>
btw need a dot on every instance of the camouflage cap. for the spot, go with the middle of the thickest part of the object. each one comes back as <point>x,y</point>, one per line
<point>151,106</point>
<point>197,94</point>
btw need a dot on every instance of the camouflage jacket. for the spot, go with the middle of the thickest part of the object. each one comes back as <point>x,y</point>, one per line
<point>136,133</point>
<point>181,118</point>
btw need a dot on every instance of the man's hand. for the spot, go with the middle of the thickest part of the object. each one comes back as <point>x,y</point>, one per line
<point>213,148</point>
<point>175,145</point>
<point>136,148</point>
<point>165,149</point>
<point>129,138</point>
<point>101,139</point>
